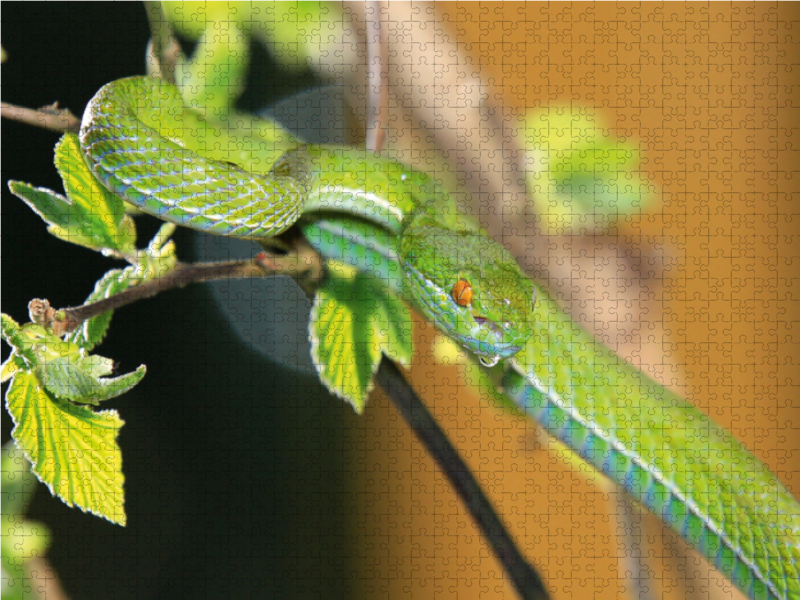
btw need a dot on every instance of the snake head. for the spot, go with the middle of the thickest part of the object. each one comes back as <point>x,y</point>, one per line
<point>469,286</point>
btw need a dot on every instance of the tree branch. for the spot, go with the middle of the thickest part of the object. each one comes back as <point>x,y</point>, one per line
<point>378,112</point>
<point>304,265</point>
<point>524,577</point>
<point>49,117</point>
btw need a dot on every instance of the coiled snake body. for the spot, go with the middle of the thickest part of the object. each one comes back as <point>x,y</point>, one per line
<point>143,144</point>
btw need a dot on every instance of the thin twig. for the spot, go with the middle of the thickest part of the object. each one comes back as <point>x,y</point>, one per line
<point>304,265</point>
<point>524,577</point>
<point>378,113</point>
<point>49,117</point>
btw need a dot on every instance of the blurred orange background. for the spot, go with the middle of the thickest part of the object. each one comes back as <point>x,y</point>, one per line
<point>708,91</point>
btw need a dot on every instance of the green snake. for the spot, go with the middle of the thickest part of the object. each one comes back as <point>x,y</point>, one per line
<point>378,214</point>
<point>143,144</point>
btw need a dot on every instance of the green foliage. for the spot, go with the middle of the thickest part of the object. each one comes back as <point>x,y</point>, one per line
<point>21,539</point>
<point>294,32</point>
<point>72,449</point>
<point>84,380</point>
<point>100,210</point>
<point>580,176</point>
<point>215,75</point>
<point>354,321</point>
<point>158,258</point>
<point>90,215</point>
<point>78,458</point>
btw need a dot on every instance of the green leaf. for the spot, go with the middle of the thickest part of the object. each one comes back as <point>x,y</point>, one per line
<point>96,213</point>
<point>670,456</point>
<point>98,366</point>
<point>581,176</point>
<point>8,327</point>
<point>192,19</point>
<point>294,32</point>
<point>92,331</point>
<point>63,220</point>
<point>64,378</point>
<point>215,76</point>
<point>159,258</point>
<point>54,209</point>
<point>75,379</point>
<point>354,320</point>
<point>35,345</point>
<point>72,449</point>
<point>26,341</point>
<point>65,369</point>
<point>13,364</point>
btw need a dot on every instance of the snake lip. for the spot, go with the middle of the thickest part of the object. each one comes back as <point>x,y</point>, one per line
<point>487,349</point>
<point>497,331</point>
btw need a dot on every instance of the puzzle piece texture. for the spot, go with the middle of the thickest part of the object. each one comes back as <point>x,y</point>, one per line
<point>640,160</point>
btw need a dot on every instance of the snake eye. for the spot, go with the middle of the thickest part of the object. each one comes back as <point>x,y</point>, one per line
<point>462,292</point>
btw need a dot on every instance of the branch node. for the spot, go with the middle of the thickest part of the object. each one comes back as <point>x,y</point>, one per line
<point>40,312</point>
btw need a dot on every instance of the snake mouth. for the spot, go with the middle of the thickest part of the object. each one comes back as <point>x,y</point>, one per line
<point>486,349</point>
<point>496,330</point>
<point>490,353</point>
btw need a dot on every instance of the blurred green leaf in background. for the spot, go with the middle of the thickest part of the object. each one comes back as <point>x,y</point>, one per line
<point>579,175</point>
